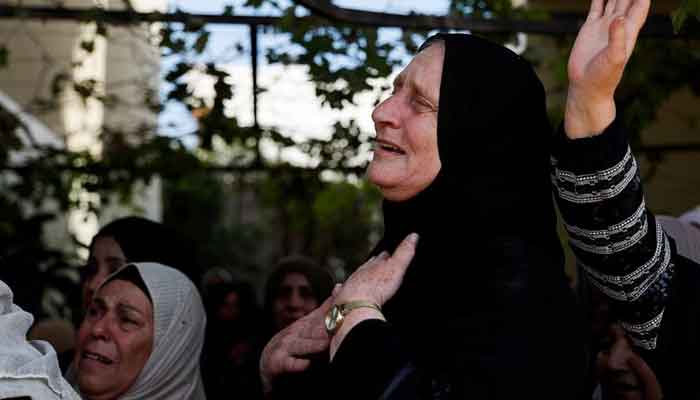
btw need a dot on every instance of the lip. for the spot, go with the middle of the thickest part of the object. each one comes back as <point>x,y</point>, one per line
<point>387,147</point>
<point>620,389</point>
<point>96,358</point>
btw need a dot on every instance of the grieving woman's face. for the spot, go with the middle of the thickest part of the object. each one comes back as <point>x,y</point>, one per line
<point>114,340</point>
<point>106,256</point>
<point>293,300</point>
<point>623,374</point>
<point>406,158</point>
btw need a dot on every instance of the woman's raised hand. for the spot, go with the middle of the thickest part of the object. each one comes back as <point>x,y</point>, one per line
<point>603,46</point>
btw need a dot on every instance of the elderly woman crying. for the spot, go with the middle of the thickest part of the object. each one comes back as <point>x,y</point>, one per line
<point>141,337</point>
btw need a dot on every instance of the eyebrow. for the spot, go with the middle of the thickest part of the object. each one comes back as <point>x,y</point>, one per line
<point>127,307</point>
<point>99,301</point>
<point>416,86</point>
<point>120,306</point>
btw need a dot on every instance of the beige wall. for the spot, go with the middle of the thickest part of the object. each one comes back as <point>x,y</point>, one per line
<point>124,65</point>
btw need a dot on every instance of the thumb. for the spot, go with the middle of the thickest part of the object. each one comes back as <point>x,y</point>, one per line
<point>617,49</point>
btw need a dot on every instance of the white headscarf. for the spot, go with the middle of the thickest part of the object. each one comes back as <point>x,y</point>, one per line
<point>27,368</point>
<point>172,370</point>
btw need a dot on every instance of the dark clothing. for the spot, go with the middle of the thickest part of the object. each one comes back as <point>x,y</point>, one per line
<point>232,347</point>
<point>484,311</point>
<point>626,254</point>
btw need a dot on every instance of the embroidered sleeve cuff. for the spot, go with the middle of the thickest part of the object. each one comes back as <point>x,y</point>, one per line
<point>583,156</point>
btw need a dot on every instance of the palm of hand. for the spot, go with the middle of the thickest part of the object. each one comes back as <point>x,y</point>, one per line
<point>589,56</point>
<point>605,43</point>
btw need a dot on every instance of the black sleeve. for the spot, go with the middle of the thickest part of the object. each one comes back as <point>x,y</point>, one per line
<point>616,239</point>
<point>372,364</point>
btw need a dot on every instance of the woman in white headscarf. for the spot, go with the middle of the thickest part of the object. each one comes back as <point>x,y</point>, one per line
<point>142,337</point>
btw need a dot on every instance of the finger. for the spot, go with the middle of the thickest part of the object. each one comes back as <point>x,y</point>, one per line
<point>305,347</point>
<point>404,253</point>
<point>650,384</point>
<point>610,7</point>
<point>326,305</point>
<point>637,14</point>
<point>596,10</point>
<point>622,6</point>
<point>378,259</point>
<point>292,364</point>
<point>617,49</point>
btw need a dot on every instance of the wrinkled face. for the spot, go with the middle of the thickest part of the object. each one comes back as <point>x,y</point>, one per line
<point>406,158</point>
<point>294,299</point>
<point>105,257</point>
<point>623,374</point>
<point>114,341</point>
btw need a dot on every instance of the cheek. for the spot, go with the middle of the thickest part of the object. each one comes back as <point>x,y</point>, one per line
<point>80,343</point>
<point>134,352</point>
<point>424,140</point>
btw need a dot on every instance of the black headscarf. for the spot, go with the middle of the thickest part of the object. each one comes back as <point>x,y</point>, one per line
<point>143,240</point>
<point>485,305</point>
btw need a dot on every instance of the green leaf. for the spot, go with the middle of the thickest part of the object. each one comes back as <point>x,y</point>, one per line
<point>180,70</point>
<point>201,42</point>
<point>679,16</point>
<point>88,45</point>
<point>59,83</point>
<point>101,29</point>
<point>687,9</point>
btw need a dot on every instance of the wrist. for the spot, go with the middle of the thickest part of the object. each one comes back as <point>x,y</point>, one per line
<point>350,320</point>
<point>588,117</point>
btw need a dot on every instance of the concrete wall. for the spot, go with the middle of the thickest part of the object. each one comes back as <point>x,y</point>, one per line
<point>125,64</point>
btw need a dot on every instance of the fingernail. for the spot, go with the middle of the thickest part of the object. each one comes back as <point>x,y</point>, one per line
<point>413,238</point>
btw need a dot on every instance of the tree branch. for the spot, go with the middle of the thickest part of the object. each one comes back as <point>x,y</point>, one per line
<point>559,24</point>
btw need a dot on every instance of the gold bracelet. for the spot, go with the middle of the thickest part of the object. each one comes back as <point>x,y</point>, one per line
<point>336,315</point>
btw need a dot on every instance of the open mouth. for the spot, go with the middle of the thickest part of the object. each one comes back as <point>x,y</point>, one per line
<point>97,357</point>
<point>387,146</point>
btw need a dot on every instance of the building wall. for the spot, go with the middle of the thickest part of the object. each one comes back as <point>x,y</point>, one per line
<point>124,64</point>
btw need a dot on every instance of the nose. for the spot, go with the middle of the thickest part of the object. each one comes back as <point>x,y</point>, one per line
<point>618,356</point>
<point>100,328</point>
<point>295,300</point>
<point>386,113</point>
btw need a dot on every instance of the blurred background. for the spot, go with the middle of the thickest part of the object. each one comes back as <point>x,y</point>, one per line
<point>245,124</point>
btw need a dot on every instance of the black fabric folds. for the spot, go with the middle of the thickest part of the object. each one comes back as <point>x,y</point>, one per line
<point>485,307</point>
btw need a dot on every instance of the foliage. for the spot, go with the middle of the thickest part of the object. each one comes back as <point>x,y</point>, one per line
<point>686,10</point>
